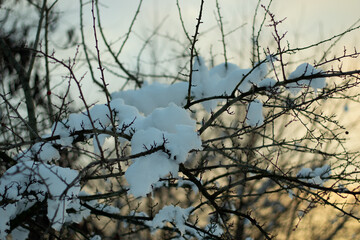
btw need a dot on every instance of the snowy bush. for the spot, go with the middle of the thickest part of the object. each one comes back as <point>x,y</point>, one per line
<point>211,152</point>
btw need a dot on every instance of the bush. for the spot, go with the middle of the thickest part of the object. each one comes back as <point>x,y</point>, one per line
<point>211,152</point>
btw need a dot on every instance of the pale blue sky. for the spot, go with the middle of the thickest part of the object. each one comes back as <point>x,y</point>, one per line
<point>307,21</point>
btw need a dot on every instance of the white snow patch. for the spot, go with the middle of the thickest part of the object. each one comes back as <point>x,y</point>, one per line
<point>96,237</point>
<point>44,152</point>
<point>174,130</point>
<point>20,233</point>
<point>155,95</point>
<point>37,181</point>
<point>173,214</point>
<point>268,83</point>
<point>254,115</point>
<point>303,70</point>
<point>317,176</point>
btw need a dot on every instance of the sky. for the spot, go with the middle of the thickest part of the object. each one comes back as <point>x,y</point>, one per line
<point>305,18</point>
<point>305,22</point>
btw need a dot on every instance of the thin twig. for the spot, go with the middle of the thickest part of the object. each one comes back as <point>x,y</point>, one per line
<point>192,50</point>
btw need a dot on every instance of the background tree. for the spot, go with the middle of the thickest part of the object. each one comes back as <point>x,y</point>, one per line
<point>206,151</point>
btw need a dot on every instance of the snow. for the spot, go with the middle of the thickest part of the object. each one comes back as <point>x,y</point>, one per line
<point>79,212</point>
<point>291,194</point>
<point>100,115</point>
<point>302,70</point>
<point>200,78</point>
<point>233,79</point>
<point>48,153</point>
<point>7,213</point>
<point>19,233</point>
<point>60,129</point>
<point>128,117</point>
<point>78,121</point>
<point>167,119</point>
<point>37,181</point>
<point>223,79</point>
<point>152,96</point>
<point>124,113</point>
<point>258,73</point>
<point>181,142</point>
<point>170,127</point>
<point>223,70</point>
<point>267,82</point>
<point>214,229</point>
<point>99,139</point>
<point>147,170</point>
<point>304,172</point>
<point>219,80</point>
<point>96,237</point>
<point>246,77</point>
<point>254,116</point>
<point>323,172</point>
<point>173,214</point>
<point>316,180</point>
<point>138,214</point>
<point>107,209</point>
<point>317,176</point>
<point>184,182</point>
<point>44,152</point>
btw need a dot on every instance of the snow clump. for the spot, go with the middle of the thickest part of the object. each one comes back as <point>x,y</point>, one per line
<point>304,70</point>
<point>28,182</point>
<point>45,152</point>
<point>317,176</point>
<point>174,130</point>
<point>223,80</point>
<point>172,214</point>
<point>254,115</point>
